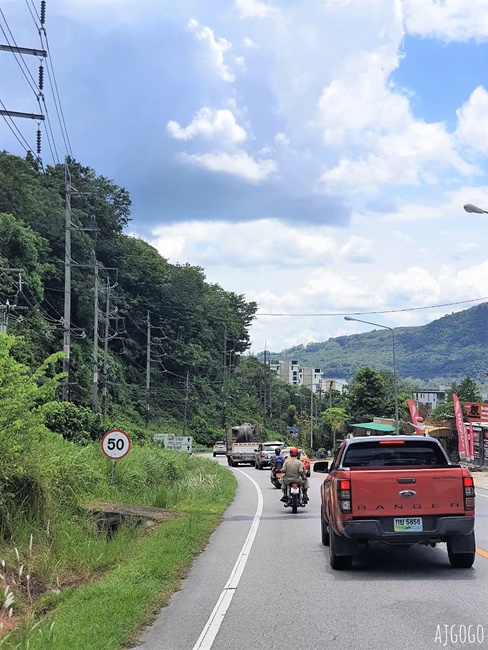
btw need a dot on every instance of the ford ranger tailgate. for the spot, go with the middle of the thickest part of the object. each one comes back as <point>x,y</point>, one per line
<point>408,492</point>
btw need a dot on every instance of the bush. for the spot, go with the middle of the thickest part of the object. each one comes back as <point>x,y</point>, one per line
<point>75,423</point>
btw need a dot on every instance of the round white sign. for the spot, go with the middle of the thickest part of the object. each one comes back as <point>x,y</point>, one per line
<point>115,444</point>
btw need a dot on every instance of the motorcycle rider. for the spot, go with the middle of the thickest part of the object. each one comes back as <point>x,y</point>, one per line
<point>294,472</point>
<point>276,462</point>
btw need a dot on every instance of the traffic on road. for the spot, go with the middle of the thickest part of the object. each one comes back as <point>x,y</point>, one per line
<point>265,581</point>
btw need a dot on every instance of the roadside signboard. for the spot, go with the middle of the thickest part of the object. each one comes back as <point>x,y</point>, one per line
<point>115,444</point>
<point>293,431</point>
<point>178,443</point>
<point>160,436</point>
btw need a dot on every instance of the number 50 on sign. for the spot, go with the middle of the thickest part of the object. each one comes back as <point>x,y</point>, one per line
<point>115,444</point>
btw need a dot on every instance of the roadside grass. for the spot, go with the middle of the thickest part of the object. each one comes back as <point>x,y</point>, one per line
<point>81,590</point>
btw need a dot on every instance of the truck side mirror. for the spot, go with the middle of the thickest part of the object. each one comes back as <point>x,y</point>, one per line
<point>321,466</point>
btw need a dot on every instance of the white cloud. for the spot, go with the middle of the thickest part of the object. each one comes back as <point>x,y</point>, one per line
<point>450,20</point>
<point>473,121</point>
<point>282,140</point>
<point>237,164</point>
<point>255,9</point>
<point>248,42</point>
<point>358,249</point>
<point>216,49</point>
<point>210,124</point>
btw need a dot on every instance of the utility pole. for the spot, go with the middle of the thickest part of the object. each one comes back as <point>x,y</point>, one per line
<point>105,352</point>
<point>264,392</point>
<point>95,338</point>
<point>311,408</point>
<point>29,116</point>
<point>224,382</point>
<point>67,284</point>
<point>8,308</point>
<point>148,367</point>
<point>187,396</point>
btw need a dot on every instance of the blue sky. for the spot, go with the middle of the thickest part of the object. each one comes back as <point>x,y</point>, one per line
<point>313,155</point>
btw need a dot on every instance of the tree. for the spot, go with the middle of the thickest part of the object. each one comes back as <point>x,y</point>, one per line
<point>335,418</point>
<point>366,396</point>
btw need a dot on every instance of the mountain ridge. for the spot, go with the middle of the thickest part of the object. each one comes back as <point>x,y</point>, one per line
<point>453,346</point>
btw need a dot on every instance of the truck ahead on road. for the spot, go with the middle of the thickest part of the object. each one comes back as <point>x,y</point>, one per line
<point>400,490</point>
<point>241,442</point>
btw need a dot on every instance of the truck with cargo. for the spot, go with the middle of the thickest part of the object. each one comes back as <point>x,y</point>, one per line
<point>241,443</point>
<point>398,490</point>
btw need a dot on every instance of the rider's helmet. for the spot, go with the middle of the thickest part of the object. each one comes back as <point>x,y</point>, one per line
<point>293,451</point>
<point>277,451</point>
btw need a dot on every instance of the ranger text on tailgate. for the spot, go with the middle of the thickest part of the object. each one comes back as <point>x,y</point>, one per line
<point>400,490</point>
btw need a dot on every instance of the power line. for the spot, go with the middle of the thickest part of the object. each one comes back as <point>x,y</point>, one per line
<point>386,311</point>
<point>26,145</point>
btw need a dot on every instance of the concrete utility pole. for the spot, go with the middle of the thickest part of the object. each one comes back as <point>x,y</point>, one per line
<point>67,284</point>
<point>95,337</point>
<point>8,308</point>
<point>311,408</point>
<point>30,116</point>
<point>148,367</point>
<point>187,397</point>
<point>105,352</point>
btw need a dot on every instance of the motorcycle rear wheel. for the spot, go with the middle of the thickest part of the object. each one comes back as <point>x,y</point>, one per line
<point>294,503</point>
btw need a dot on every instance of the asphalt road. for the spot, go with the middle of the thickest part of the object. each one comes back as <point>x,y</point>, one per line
<point>264,581</point>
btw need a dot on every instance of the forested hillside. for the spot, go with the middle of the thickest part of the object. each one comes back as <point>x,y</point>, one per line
<point>449,348</point>
<point>151,314</point>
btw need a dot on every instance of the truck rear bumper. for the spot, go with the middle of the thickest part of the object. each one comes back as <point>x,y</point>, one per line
<point>435,528</point>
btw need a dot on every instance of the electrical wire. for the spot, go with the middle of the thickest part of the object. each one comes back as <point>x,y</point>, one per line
<point>386,311</point>
<point>26,145</point>
<point>54,88</point>
<point>33,87</point>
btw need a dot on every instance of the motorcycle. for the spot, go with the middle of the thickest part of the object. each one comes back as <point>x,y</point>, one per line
<point>295,497</point>
<point>275,477</point>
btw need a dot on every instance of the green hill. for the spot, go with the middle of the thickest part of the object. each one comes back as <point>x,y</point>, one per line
<point>452,347</point>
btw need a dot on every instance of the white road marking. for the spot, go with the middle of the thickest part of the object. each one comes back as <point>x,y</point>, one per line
<point>482,495</point>
<point>212,626</point>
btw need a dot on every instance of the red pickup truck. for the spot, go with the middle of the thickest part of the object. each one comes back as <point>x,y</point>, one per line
<point>400,490</point>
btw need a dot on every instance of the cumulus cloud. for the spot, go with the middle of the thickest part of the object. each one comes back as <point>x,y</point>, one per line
<point>210,124</point>
<point>237,164</point>
<point>358,249</point>
<point>450,20</point>
<point>255,9</point>
<point>282,140</point>
<point>216,48</point>
<point>473,121</point>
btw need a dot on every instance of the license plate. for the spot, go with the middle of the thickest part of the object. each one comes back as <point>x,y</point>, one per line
<point>294,490</point>
<point>407,524</point>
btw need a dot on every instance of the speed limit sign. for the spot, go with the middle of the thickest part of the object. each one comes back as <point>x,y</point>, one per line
<point>115,444</point>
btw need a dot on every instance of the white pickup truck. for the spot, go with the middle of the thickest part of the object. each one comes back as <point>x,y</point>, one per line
<point>241,443</point>
<point>264,452</point>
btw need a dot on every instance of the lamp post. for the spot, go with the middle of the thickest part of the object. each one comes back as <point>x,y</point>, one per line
<point>469,207</point>
<point>394,363</point>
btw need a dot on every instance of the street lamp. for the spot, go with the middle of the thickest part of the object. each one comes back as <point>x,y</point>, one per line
<point>394,363</point>
<point>469,207</point>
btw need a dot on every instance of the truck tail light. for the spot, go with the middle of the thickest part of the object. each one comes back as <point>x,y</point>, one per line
<point>468,492</point>
<point>344,495</point>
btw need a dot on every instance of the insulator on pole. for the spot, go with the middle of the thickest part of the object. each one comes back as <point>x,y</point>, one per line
<point>43,12</point>
<point>38,141</point>
<point>41,77</point>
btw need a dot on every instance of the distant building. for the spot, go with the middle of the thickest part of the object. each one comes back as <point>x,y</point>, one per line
<point>291,372</point>
<point>428,400</point>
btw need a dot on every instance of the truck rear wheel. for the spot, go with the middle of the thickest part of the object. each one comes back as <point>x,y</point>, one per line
<point>325,531</point>
<point>337,562</point>
<point>461,560</point>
